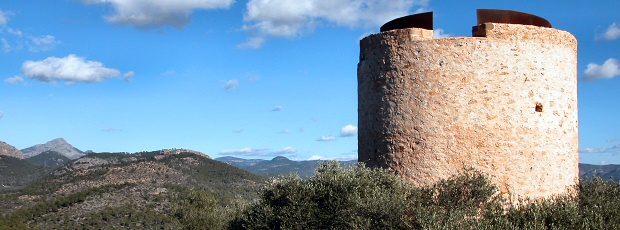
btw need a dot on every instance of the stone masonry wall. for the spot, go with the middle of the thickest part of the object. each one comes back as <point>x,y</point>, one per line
<point>503,102</point>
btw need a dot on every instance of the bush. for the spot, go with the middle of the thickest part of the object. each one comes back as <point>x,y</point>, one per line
<point>198,209</point>
<point>599,203</point>
<point>362,198</point>
<point>334,198</point>
<point>453,203</point>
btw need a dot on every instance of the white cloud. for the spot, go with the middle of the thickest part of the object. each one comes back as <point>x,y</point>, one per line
<point>237,130</point>
<point>612,33</point>
<point>70,69</point>
<point>286,18</point>
<point>14,39</point>
<point>285,150</point>
<point>15,32</point>
<point>277,108</point>
<point>439,33</point>
<point>253,43</point>
<point>258,152</point>
<point>4,19</point>
<point>612,140</point>
<point>231,85</point>
<point>245,152</point>
<point>315,157</point>
<point>348,157</point>
<point>348,131</point>
<point>326,138</point>
<point>168,73</point>
<point>42,43</point>
<point>615,150</point>
<point>6,47</point>
<point>252,77</point>
<point>129,76</point>
<point>14,80</point>
<point>157,13</point>
<point>284,131</point>
<point>609,69</point>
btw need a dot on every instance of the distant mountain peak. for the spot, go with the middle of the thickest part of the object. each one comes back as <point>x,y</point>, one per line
<point>280,158</point>
<point>9,150</point>
<point>59,145</point>
<point>59,140</point>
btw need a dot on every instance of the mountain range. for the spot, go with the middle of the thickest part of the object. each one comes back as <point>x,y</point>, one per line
<point>278,166</point>
<point>58,151</point>
<point>145,190</point>
<point>58,145</point>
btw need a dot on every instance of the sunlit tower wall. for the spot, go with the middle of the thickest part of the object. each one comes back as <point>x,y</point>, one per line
<point>503,102</point>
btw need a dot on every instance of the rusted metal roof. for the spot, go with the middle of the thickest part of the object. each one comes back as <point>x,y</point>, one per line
<point>422,20</point>
<point>510,17</point>
<point>425,20</point>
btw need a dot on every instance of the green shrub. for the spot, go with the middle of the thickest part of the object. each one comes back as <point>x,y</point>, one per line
<point>362,198</point>
<point>334,198</point>
<point>599,204</point>
<point>198,209</point>
<point>453,203</point>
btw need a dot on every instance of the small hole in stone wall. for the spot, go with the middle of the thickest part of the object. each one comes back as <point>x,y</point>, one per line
<point>539,107</point>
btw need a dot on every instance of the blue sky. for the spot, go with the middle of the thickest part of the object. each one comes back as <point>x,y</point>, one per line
<point>251,79</point>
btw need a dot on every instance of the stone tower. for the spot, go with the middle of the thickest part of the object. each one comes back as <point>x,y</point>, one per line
<point>503,102</point>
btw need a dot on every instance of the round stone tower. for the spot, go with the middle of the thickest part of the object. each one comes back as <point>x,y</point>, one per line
<point>503,102</point>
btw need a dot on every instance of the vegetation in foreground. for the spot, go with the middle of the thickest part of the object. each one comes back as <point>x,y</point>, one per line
<point>362,198</point>
<point>334,198</point>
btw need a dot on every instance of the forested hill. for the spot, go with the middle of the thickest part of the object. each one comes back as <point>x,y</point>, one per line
<point>147,187</point>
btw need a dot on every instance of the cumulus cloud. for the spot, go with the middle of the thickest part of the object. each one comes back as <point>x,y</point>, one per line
<point>285,150</point>
<point>315,157</point>
<point>285,18</point>
<point>14,80</point>
<point>42,43</point>
<point>244,152</point>
<point>348,131</point>
<point>231,85</point>
<point>258,152</point>
<point>14,39</point>
<point>612,33</point>
<point>71,69</point>
<point>4,17</point>
<point>157,13</point>
<point>440,33</point>
<point>609,69</point>
<point>277,108</point>
<point>253,43</point>
<point>615,150</point>
<point>326,138</point>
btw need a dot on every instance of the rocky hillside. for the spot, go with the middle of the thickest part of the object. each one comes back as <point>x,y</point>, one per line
<point>117,190</point>
<point>58,145</point>
<point>49,160</point>
<point>15,172</point>
<point>9,150</point>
